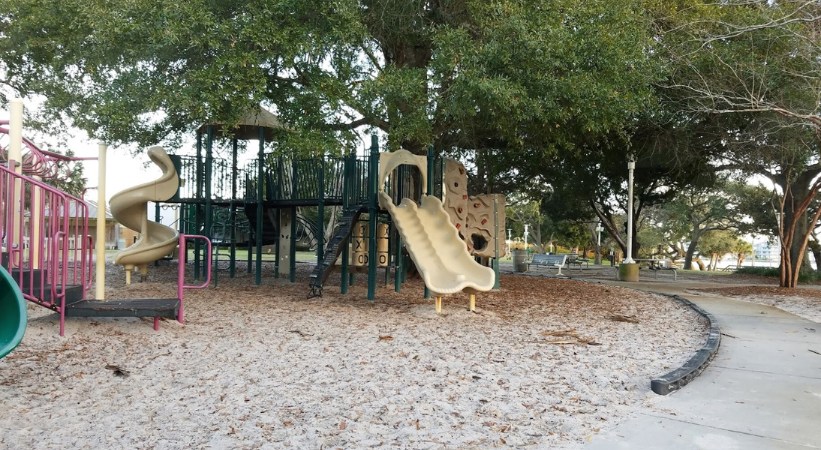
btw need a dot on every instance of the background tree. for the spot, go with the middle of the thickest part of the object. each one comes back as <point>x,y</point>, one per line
<point>527,213</point>
<point>757,65</point>
<point>715,244</point>
<point>460,74</point>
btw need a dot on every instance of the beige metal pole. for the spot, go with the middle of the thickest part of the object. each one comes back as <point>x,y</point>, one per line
<point>100,240</point>
<point>16,157</point>
<point>36,229</point>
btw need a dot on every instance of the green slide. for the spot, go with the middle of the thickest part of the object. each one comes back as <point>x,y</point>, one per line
<point>12,313</point>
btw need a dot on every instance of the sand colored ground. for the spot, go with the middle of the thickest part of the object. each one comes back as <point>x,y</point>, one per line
<point>542,363</point>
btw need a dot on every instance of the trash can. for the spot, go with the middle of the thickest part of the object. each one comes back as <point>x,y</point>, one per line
<point>519,260</point>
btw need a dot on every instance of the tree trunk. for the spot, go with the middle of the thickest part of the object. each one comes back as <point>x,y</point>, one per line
<point>794,232</point>
<point>688,257</point>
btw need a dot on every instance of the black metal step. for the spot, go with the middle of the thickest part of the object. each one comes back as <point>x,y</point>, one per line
<point>74,293</point>
<point>29,275</point>
<point>163,307</point>
<point>334,249</point>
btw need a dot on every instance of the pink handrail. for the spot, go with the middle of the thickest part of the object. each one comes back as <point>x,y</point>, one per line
<point>41,260</point>
<point>181,286</point>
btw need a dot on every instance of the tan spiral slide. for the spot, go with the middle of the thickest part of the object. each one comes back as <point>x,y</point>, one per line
<point>130,208</point>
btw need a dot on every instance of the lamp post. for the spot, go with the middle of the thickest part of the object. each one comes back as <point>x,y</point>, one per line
<point>508,241</point>
<point>631,166</point>
<point>526,233</point>
<point>599,229</point>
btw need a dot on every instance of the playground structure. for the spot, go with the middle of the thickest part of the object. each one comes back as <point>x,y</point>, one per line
<point>276,198</point>
<point>130,208</point>
<point>47,249</point>
<point>432,240</point>
<point>480,219</point>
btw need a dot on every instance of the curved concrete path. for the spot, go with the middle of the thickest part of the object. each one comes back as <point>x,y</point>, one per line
<point>762,390</point>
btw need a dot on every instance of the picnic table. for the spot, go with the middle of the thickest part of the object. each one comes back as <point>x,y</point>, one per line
<point>574,259</point>
<point>659,265</point>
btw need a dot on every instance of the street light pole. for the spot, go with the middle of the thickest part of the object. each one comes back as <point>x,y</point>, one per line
<point>631,166</point>
<point>599,229</point>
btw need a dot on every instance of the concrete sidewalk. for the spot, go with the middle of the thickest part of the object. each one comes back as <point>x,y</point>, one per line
<point>762,390</point>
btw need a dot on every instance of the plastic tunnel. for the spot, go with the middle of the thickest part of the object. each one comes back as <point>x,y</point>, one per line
<point>12,314</point>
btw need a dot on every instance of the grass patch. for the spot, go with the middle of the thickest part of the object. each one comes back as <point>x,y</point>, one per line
<point>774,272</point>
<point>806,275</point>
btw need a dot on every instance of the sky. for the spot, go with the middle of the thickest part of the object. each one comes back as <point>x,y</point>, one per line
<point>122,169</point>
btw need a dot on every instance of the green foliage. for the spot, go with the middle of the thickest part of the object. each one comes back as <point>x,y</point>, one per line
<point>806,276</point>
<point>717,242</point>
<point>760,271</point>
<point>461,74</point>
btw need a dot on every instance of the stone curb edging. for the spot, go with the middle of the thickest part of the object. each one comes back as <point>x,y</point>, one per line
<point>678,378</point>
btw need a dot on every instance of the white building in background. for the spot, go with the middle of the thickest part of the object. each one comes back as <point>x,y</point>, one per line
<point>764,250</point>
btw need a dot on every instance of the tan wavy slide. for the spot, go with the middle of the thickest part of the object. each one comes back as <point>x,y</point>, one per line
<point>435,246</point>
<point>130,208</point>
<point>432,240</point>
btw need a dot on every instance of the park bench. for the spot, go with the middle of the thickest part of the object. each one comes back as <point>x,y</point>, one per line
<point>557,261</point>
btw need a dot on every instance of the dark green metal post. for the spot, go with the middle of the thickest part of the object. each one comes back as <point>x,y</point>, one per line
<point>260,209</point>
<point>278,191</point>
<point>294,193</point>
<point>373,211</point>
<point>347,180</point>
<point>292,252</point>
<point>197,212</point>
<point>209,168</point>
<point>320,220</point>
<point>429,187</point>
<point>400,266</point>
<point>232,267</point>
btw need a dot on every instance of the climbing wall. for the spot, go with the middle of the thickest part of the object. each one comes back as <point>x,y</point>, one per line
<point>456,193</point>
<point>479,221</point>
<point>485,225</point>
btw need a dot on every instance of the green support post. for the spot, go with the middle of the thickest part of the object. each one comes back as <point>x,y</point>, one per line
<point>278,191</point>
<point>429,188</point>
<point>294,194</point>
<point>347,180</point>
<point>260,209</point>
<point>292,251</point>
<point>277,247</point>
<point>197,212</point>
<point>209,168</point>
<point>373,211</point>
<point>400,267</point>
<point>232,268</point>
<point>320,220</point>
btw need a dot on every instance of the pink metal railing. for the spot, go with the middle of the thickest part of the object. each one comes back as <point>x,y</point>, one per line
<point>36,162</point>
<point>181,258</point>
<point>46,244</point>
